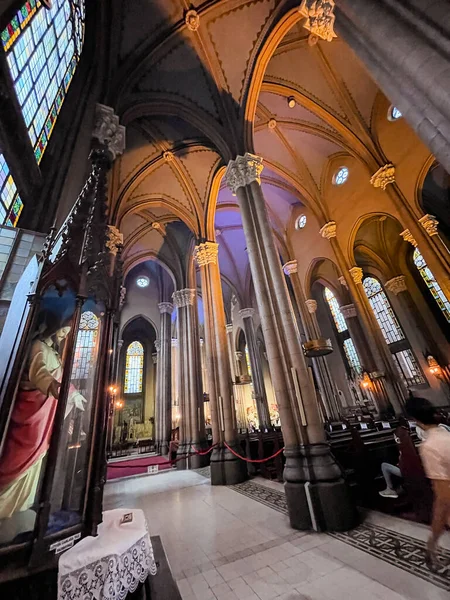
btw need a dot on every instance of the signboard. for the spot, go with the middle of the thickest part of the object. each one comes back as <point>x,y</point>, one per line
<point>152,469</point>
<point>63,545</point>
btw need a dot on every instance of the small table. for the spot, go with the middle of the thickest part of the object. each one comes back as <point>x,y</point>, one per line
<point>111,565</point>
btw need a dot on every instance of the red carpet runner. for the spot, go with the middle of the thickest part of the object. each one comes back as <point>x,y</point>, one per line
<point>135,466</point>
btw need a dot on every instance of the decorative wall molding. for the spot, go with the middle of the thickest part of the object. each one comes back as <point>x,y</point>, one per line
<point>357,274</point>
<point>206,253</point>
<point>430,224</point>
<point>155,358</point>
<point>123,293</point>
<point>108,131</point>
<point>243,171</point>
<point>348,311</point>
<point>290,267</point>
<point>311,305</point>
<point>165,307</point>
<point>408,237</point>
<point>247,313</point>
<point>192,20</point>
<point>320,18</point>
<point>383,177</point>
<point>184,297</point>
<point>396,284</point>
<point>328,231</point>
<point>115,239</point>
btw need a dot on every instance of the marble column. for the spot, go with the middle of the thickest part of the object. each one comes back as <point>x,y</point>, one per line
<point>241,418</point>
<point>226,469</point>
<point>390,393</point>
<point>259,388</point>
<point>316,493</point>
<point>332,406</point>
<point>164,400</point>
<point>156,356</point>
<point>192,422</point>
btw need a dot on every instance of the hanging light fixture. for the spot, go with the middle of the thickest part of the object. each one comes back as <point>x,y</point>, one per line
<point>366,382</point>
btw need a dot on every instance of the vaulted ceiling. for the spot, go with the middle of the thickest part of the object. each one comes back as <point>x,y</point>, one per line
<point>193,94</point>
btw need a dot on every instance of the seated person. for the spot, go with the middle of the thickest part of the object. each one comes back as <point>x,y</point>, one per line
<point>389,471</point>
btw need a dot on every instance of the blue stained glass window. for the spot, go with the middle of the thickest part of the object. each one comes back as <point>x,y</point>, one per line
<point>43,48</point>
<point>10,202</point>
<point>430,280</point>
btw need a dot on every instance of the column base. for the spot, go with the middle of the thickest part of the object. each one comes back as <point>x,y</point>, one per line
<point>317,495</point>
<point>182,456</point>
<point>163,448</point>
<point>189,460</point>
<point>197,461</point>
<point>227,469</point>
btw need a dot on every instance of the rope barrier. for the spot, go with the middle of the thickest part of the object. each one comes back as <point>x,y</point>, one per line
<point>200,453</point>
<point>254,460</point>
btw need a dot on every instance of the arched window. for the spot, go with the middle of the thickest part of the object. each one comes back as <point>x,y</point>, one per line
<point>10,203</point>
<point>86,343</point>
<point>342,331</point>
<point>43,47</point>
<point>432,284</point>
<point>134,368</point>
<point>393,334</point>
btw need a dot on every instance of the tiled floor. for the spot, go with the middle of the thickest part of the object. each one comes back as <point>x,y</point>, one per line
<point>225,545</point>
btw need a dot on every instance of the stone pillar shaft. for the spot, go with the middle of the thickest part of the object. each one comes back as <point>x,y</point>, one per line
<point>259,388</point>
<point>225,467</point>
<point>164,370</point>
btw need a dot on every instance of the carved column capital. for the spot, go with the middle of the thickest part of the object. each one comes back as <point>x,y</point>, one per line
<point>184,297</point>
<point>328,231</point>
<point>311,305</point>
<point>348,311</point>
<point>247,313</point>
<point>115,239</point>
<point>239,355</point>
<point>320,18</point>
<point>229,328</point>
<point>357,274</point>
<point>206,253</point>
<point>343,281</point>
<point>165,307</point>
<point>242,171</point>
<point>396,285</point>
<point>383,177</point>
<point>158,345</point>
<point>155,358</point>
<point>174,343</point>
<point>408,237</point>
<point>290,267</point>
<point>119,344</point>
<point>108,132</point>
<point>430,224</point>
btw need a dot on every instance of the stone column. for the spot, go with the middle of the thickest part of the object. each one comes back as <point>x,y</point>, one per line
<point>316,493</point>
<point>192,422</point>
<point>389,391</point>
<point>331,405</point>
<point>164,401</point>
<point>156,356</point>
<point>259,388</point>
<point>226,469</point>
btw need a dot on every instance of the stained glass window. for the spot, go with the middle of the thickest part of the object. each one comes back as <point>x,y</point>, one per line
<point>382,309</point>
<point>300,223</point>
<point>134,368</point>
<point>10,203</point>
<point>43,47</point>
<point>339,320</point>
<point>352,355</point>
<point>432,284</point>
<point>86,343</point>
<point>341,326</point>
<point>404,359</point>
<point>341,176</point>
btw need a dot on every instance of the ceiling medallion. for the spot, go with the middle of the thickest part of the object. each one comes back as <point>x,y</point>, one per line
<point>272,124</point>
<point>168,156</point>
<point>192,20</point>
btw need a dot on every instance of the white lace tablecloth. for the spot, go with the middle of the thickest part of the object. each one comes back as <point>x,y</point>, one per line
<point>111,565</point>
